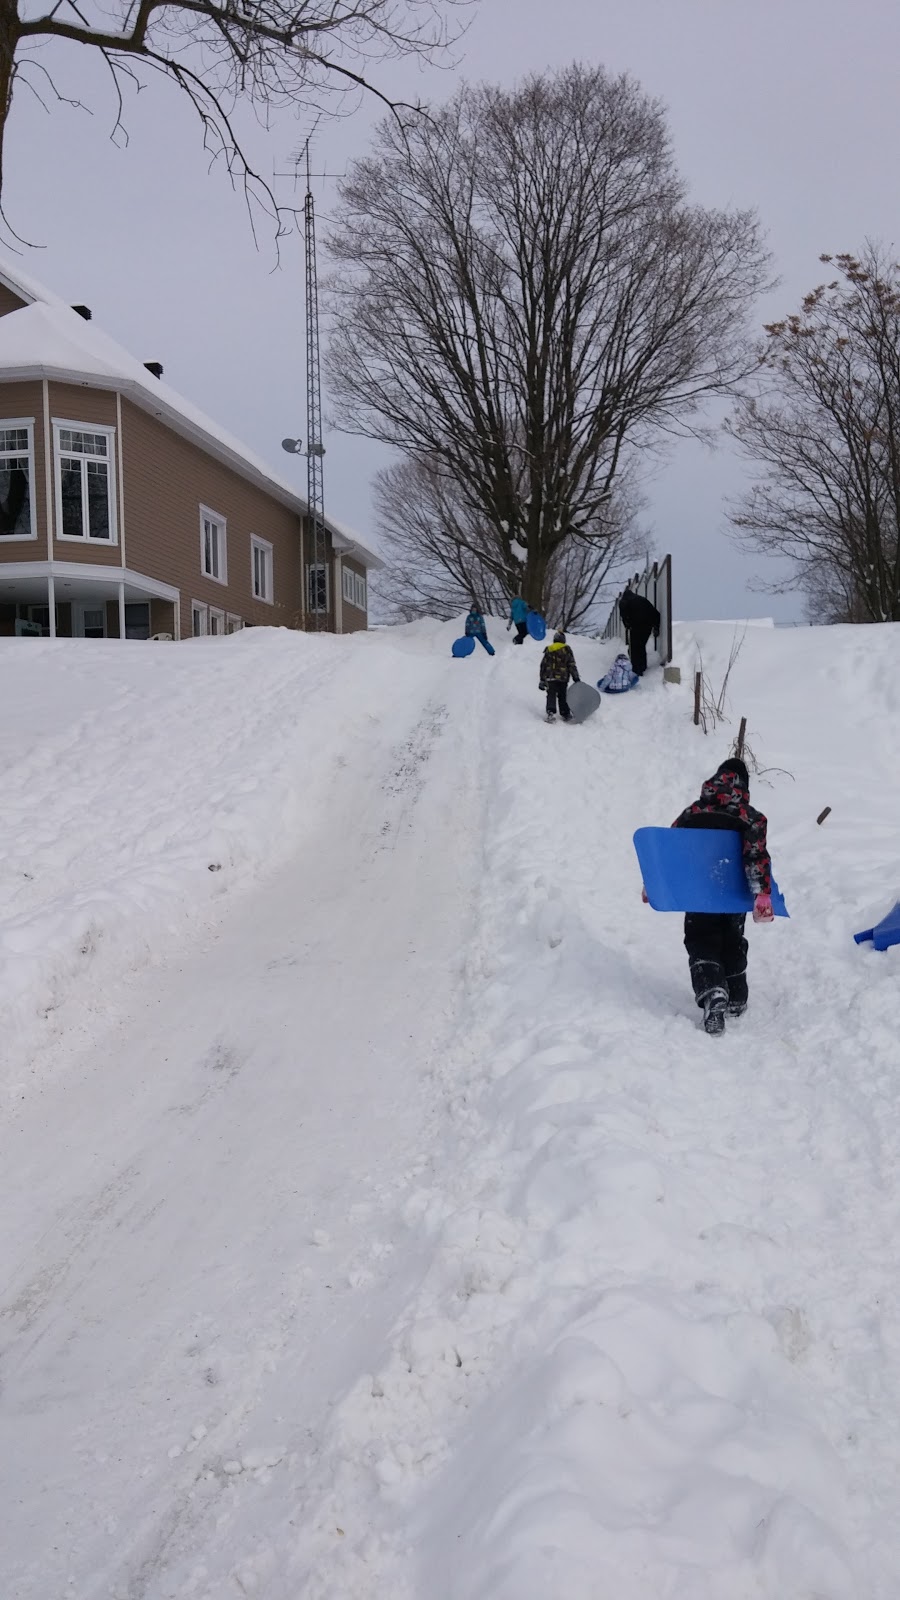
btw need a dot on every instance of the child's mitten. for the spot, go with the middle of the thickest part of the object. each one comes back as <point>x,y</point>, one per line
<point>762,908</point>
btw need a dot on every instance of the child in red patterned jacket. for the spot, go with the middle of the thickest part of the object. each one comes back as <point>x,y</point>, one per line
<point>715,943</point>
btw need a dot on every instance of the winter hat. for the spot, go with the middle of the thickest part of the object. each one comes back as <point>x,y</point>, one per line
<point>559,637</point>
<point>734,764</point>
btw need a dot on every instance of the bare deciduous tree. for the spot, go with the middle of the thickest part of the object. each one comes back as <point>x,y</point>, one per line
<point>825,430</point>
<point>269,53</point>
<point>441,554</point>
<point>524,297</point>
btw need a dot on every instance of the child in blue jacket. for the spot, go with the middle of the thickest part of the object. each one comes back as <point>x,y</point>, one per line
<point>519,611</point>
<point>476,629</point>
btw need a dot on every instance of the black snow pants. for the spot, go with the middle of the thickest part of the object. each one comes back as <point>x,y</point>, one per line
<point>638,637</point>
<point>557,692</point>
<point>521,632</point>
<point>717,952</point>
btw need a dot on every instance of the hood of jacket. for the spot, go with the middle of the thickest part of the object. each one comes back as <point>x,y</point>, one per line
<point>725,791</point>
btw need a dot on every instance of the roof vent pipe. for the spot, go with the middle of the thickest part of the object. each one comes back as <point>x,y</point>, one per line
<point>155,367</point>
<point>83,311</point>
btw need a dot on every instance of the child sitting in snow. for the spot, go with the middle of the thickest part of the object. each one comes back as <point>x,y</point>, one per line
<point>715,943</point>
<point>557,667</point>
<point>619,677</point>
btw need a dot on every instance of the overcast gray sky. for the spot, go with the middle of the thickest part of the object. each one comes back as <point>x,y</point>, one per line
<point>790,106</point>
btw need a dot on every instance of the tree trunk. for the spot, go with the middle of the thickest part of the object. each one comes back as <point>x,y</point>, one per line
<point>9,40</point>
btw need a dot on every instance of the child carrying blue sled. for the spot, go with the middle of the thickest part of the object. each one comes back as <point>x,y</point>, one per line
<point>714,941</point>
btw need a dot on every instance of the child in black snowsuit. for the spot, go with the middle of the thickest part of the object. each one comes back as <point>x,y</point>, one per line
<point>641,618</point>
<point>715,943</point>
<point>557,667</point>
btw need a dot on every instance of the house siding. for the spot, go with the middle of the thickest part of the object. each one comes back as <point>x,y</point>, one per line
<point>9,301</point>
<point>167,479</point>
<point>75,402</point>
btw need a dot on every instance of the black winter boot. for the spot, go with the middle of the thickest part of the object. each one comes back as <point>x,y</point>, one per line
<point>714,1012</point>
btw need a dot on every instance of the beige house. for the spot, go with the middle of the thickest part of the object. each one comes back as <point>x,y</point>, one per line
<point>126,513</point>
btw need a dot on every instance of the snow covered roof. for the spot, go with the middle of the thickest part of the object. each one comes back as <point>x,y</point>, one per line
<point>47,339</point>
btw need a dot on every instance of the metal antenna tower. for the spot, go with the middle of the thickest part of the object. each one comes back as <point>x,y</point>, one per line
<point>315,450</point>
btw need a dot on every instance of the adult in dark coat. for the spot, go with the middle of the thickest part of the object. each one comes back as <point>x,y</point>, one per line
<point>641,618</point>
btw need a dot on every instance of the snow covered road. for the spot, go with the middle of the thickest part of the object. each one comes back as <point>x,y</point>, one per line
<point>401,1235</point>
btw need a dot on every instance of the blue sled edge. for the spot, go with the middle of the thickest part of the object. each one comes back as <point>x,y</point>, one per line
<point>885,933</point>
<point>697,870</point>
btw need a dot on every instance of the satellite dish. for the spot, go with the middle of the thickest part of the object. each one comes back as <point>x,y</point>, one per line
<point>292,446</point>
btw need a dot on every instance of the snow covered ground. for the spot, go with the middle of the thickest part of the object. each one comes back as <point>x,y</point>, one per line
<point>377,1221</point>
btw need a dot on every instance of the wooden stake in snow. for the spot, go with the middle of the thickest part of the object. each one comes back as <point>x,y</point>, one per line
<point>742,730</point>
<point>698,681</point>
<point>822,815</point>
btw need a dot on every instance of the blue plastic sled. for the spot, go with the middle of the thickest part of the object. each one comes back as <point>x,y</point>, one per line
<point>696,869</point>
<point>885,933</point>
<point>463,647</point>
<point>536,625</point>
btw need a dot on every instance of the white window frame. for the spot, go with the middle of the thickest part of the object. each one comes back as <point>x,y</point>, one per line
<point>28,423</point>
<point>265,549</point>
<point>233,624</point>
<point>217,616</point>
<point>353,588</point>
<point>208,515</point>
<point>314,567</point>
<point>201,607</point>
<point>59,423</point>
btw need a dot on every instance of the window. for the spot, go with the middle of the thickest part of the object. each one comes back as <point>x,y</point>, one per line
<point>85,502</point>
<point>317,587</point>
<point>353,588</point>
<point>213,563</point>
<point>137,619</point>
<point>198,619</point>
<point>89,621</point>
<point>261,569</point>
<point>216,621</point>
<point>233,624</point>
<point>16,476</point>
<point>39,616</point>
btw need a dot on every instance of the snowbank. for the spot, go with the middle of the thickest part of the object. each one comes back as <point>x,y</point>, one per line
<point>539,1294</point>
<point>143,786</point>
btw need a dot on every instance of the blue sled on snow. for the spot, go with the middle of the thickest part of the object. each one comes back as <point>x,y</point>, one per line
<point>536,625</point>
<point>465,645</point>
<point>697,869</point>
<point>885,933</point>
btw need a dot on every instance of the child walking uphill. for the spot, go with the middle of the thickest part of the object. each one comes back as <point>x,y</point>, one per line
<point>557,667</point>
<point>715,943</point>
<point>476,629</point>
<point>519,617</point>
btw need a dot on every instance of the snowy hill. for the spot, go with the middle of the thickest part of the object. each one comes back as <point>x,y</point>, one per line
<point>378,1222</point>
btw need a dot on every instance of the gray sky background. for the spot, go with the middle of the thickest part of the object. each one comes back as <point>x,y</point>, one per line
<point>790,106</point>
